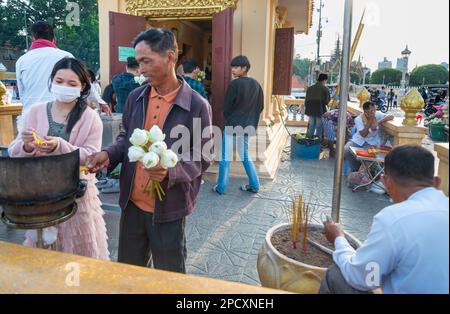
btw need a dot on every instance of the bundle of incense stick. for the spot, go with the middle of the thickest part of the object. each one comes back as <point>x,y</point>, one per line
<point>300,221</point>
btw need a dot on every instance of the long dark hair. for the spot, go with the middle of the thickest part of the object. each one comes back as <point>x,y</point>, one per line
<point>81,71</point>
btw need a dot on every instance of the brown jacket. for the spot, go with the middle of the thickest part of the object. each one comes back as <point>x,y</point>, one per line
<point>183,182</point>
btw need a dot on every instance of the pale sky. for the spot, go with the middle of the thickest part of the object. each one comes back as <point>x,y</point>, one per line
<point>390,26</point>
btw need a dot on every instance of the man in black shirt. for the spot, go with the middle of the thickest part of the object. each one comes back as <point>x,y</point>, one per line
<point>316,102</point>
<point>244,102</point>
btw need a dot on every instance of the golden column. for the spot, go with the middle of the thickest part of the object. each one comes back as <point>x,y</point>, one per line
<point>411,104</point>
<point>3,91</point>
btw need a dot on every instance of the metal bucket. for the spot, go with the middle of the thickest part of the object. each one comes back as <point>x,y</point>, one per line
<point>40,190</point>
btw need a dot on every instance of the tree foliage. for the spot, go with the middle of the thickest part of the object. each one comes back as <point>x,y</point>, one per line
<point>301,66</point>
<point>17,16</point>
<point>355,78</point>
<point>388,76</point>
<point>431,74</point>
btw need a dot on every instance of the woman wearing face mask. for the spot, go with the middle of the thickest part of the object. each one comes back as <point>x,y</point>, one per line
<point>68,124</point>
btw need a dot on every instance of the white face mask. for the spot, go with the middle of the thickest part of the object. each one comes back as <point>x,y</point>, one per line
<point>65,94</point>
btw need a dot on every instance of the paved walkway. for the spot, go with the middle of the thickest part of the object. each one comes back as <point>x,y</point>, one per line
<point>225,233</point>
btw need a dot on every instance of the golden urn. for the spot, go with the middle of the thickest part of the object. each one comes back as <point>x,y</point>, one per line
<point>363,96</point>
<point>3,92</point>
<point>411,104</point>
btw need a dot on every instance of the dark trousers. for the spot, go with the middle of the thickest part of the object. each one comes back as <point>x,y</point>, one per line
<point>390,103</point>
<point>140,239</point>
<point>334,283</point>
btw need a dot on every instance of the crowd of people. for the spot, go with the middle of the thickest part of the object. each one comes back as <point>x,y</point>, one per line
<point>60,96</point>
<point>408,240</point>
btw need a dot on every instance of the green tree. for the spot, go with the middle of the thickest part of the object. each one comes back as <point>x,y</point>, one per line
<point>354,78</point>
<point>391,76</point>
<point>82,41</point>
<point>430,74</point>
<point>301,67</point>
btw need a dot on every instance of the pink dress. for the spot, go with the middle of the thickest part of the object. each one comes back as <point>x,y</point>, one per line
<point>85,233</point>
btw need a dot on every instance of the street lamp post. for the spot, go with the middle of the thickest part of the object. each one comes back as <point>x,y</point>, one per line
<point>319,38</point>
<point>365,75</point>
<point>405,54</point>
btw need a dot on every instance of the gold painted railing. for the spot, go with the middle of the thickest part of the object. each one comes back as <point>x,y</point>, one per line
<point>295,112</point>
<point>8,127</point>
<point>28,270</point>
<point>442,153</point>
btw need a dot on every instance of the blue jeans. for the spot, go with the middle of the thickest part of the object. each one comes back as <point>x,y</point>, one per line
<point>228,142</point>
<point>315,127</point>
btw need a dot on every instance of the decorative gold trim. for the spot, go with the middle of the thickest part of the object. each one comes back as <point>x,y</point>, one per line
<point>310,15</point>
<point>177,9</point>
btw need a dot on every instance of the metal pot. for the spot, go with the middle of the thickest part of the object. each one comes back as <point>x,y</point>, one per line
<point>40,190</point>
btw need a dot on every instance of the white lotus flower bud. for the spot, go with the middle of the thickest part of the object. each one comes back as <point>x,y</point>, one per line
<point>139,79</point>
<point>150,160</point>
<point>156,135</point>
<point>139,137</point>
<point>168,159</point>
<point>158,148</point>
<point>135,153</point>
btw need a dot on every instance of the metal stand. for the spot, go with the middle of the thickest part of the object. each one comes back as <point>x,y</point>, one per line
<point>367,170</point>
<point>39,227</point>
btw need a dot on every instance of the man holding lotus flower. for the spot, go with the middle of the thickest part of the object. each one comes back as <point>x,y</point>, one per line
<point>158,190</point>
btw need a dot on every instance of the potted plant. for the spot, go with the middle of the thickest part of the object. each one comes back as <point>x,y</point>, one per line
<point>296,255</point>
<point>437,129</point>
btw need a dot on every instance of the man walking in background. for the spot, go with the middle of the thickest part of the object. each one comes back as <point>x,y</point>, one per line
<point>125,83</point>
<point>244,102</point>
<point>316,102</point>
<point>190,76</point>
<point>34,68</point>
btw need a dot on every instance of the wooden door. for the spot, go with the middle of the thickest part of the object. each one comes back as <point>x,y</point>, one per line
<point>122,31</point>
<point>222,50</point>
<point>284,57</point>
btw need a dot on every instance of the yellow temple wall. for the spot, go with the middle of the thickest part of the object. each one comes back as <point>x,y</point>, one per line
<point>104,7</point>
<point>253,36</point>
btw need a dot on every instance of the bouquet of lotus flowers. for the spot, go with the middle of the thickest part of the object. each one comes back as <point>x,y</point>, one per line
<point>139,79</point>
<point>201,75</point>
<point>150,149</point>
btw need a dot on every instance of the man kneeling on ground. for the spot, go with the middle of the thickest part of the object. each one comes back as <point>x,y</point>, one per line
<point>407,250</point>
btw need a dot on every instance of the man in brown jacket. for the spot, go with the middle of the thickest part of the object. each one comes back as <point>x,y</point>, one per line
<point>150,227</point>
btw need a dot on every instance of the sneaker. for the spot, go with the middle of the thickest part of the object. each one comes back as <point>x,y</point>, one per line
<point>377,188</point>
<point>216,191</point>
<point>115,188</point>
<point>248,188</point>
<point>105,184</point>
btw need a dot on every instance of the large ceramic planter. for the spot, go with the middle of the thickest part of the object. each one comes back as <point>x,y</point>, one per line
<point>278,271</point>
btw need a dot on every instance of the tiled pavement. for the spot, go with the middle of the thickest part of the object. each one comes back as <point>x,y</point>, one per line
<point>225,233</point>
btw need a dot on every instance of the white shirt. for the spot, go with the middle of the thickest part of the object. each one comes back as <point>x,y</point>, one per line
<point>373,138</point>
<point>180,70</point>
<point>33,72</point>
<point>94,95</point>
<point>408,243</point>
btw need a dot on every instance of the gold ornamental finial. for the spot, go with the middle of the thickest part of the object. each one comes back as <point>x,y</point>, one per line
<point>363,96</point>
<point>411,104</point>
<point>3,92</point>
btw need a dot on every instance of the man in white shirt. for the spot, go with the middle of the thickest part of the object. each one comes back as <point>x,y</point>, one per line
<point>407,250</point>
<point>33,69</point>
<point>367,132</point>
